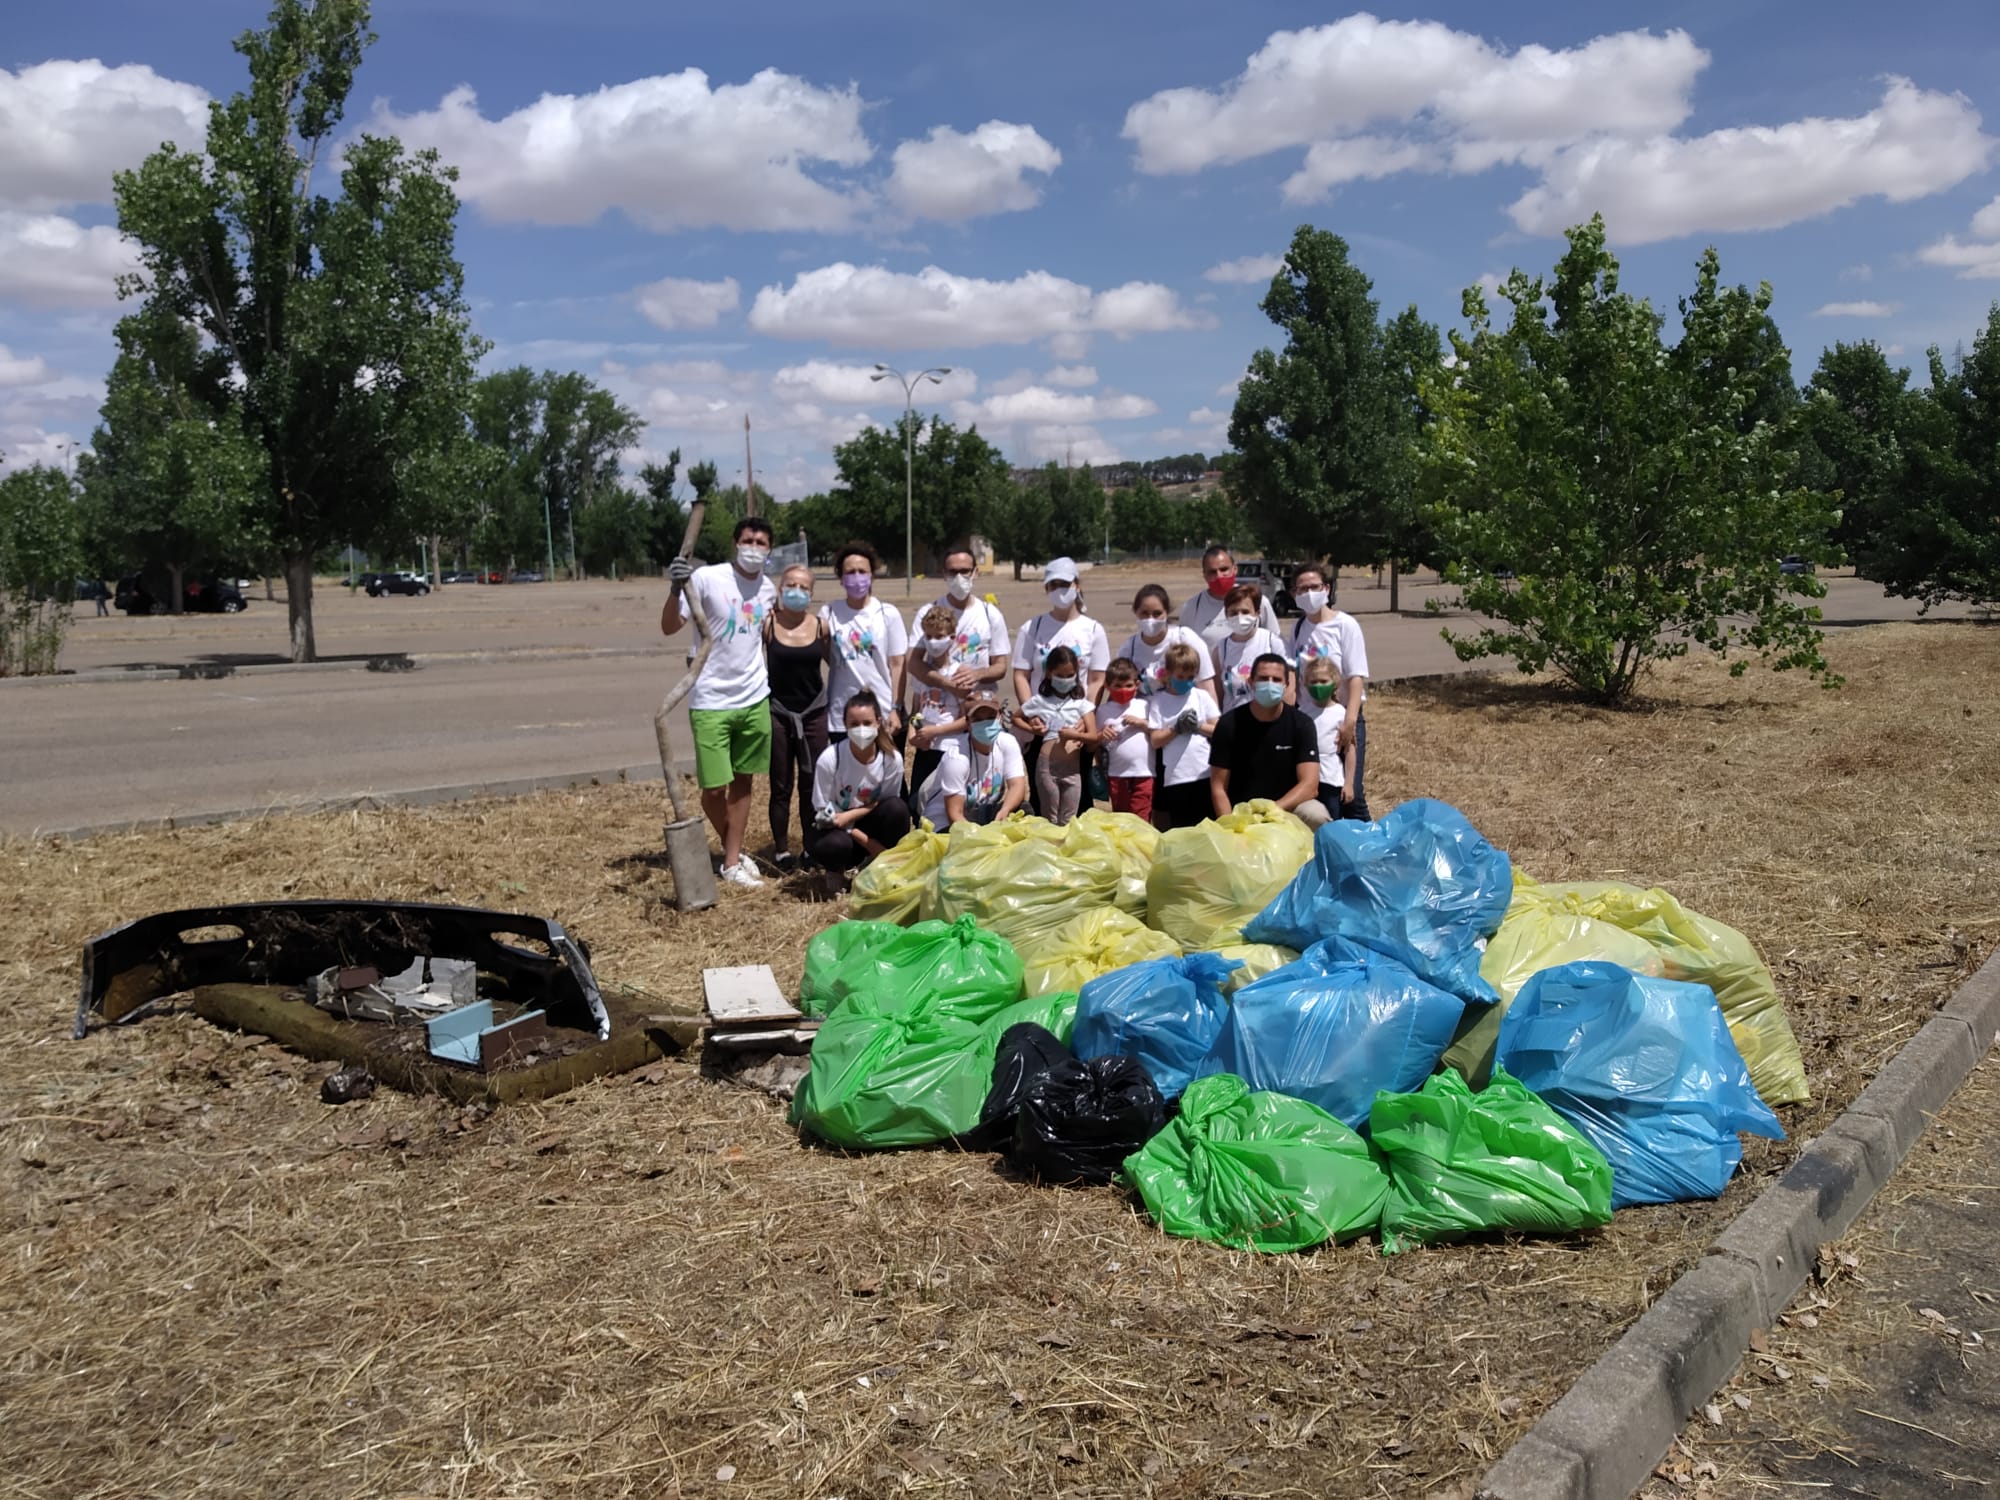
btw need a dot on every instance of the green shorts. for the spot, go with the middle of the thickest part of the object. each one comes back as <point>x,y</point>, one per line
<point>731,742</point>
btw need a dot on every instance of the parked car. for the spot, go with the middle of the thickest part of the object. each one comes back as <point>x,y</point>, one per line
<point>400,582</point>
<point>133,596</point>
<point>493,575</point>
<point>458,577</point>
<point>212,596</point>
<point>1274,578</point>
<point>1794,564</point>
<point>526,575</point>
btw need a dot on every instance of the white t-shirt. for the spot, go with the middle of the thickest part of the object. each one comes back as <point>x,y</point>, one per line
<point>1131,754</point>
<point>1234,660</point>
<point>1326,721</point>
<point>979,776</point>
<point>864,641</point>
<point>732,609</point>
<point>1151,658</point>
<point>1203,613</point>
<point>1057,713</point>
<point>1045,632</point>
<point>1186,755</point>
<point>842,782</point>
<point>979,641</point>
<point>1339,638</point>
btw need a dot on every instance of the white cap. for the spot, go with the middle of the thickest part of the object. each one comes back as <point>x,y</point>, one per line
<point>1059,570</point>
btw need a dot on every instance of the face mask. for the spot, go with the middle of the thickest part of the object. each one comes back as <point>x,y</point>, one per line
<point>857,584</point>
<point>1222,583</point>
<point>751,559</point>
<point>936,646</point>
<point>1063,684</point>
<point>960,585</point>
<point>986,731</point>
<point>795,598</point>
<point>1268,694</point>
<point>1151,627</point>
<point>1322,691</point>
<point>1180,687</point>
<point>1063,597</point>
<point>1240,626</point>
<point>1312,601</point>
<point>1121,694</point>
<point>861,736</point>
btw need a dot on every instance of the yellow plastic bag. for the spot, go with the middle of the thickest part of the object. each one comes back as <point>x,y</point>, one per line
<point>1024,878</point>
<point>1649,932</point>
<point>900,884</point>
<point>1208,880</point>
<point>1258,959</point>
<point>1089,944</point>
<point>1136,841</point>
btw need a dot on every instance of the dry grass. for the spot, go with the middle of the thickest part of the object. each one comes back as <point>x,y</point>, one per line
<point>214,1285</point>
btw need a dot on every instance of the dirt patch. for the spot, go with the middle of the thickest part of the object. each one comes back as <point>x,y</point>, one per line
<point>212,1284</point>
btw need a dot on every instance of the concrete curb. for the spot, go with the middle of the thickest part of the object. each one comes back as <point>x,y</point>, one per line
<point>424,796</point>
<point>1602,1440</point>
<point>381,661</point>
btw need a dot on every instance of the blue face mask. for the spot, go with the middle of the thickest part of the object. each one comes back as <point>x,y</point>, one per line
<point>1180,687</point>
<point>795,598</point>
<point>1268,694</point>
<point>986,731</point>
<point>1063,684</point>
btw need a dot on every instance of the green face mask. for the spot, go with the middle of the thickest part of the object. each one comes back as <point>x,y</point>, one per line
<point>1322,692</point>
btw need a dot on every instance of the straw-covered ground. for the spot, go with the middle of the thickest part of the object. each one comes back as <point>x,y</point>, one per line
<point>213,1284</point>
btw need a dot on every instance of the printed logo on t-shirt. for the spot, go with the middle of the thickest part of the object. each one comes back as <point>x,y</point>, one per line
<point>748,619</point>
<point>989,785</point>
<point>852,797</point>
<point>968,644</point>
<point>856,640</point>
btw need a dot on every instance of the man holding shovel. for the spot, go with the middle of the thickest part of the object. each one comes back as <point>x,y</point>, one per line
<point>728,708</point>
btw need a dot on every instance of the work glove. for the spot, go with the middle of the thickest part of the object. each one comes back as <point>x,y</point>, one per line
<point>680,570</point>
<point>1187,722</point>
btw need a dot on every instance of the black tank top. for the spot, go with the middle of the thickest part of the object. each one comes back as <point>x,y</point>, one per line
<point>797,673</point>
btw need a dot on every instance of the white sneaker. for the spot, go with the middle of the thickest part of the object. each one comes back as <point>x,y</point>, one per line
<point>741,874</point>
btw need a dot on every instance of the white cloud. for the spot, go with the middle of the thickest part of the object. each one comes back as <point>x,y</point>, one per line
<point>1976,259</point>
<point>1914,143</point>
<point>22,446</point>
<point>1229,388</point>
<point>951,175</point>
<point>1861,272</point>
<point>21,369</point>
<point>1855,310</point>
<point>1357,158</point>
<point>1065,444</point>
<point>674,303</point>
<point>1328,82</point>
<point>1247,270</point>
<point>69,125</point>
<point>874,307</point>
<point>856,385</point>
<point>1038,404</point>
<point>50,261</point>
<point>668,151</point>
<point>1490,283</point>
<point>1073,377</point>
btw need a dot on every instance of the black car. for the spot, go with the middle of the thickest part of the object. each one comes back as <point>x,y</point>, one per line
<point>1795,565</point>
<point>213,596</point>
<point>379,584</point>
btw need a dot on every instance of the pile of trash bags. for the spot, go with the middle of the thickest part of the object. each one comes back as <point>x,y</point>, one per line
<point>1278,1037</point>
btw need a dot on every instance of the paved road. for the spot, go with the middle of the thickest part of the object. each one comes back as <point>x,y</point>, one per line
<point>99,752</point>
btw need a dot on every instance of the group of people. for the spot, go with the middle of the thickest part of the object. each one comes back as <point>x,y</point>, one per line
<point>1186,720</point>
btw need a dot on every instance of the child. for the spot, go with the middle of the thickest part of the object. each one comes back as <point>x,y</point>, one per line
<point>1320,678</point>
<point>1127,748</point>
<point>1179,719</point>
<point>1063,708</point>
<point>935,714</point>
<point>1246,641</point>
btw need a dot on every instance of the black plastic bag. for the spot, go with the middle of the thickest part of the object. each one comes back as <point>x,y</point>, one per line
<point>1080,1120</point>
<point>1026,1051</point>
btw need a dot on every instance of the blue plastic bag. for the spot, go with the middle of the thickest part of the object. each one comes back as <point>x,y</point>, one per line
<point>1335,1028</point>
<point>1645,1069</point>
<point>1420,885</point>
<point>1165,1012</point>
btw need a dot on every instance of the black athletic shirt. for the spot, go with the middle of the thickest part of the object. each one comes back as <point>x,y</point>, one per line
<point>798,674</point>
<point>1263,759</point>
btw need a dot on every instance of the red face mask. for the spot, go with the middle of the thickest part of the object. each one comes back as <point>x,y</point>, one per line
<point>1120,694</point>
<point>1222,583</point>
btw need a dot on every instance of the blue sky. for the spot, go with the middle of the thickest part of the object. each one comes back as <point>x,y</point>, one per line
<point>739,209</point>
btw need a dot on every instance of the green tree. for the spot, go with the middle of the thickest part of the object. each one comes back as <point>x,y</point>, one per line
<point>1604,502</point>
<point>667,523</point>
<point>584,429</point>
<point>1019,523</point>
<point>1853,423</point>
<point>41,553</point>
<point>506,523</point>
<point>342,318</point>
<point>1213,518</point>
<point>614,532</point>
<point>1316,429</point>
<point>557,438</point>
<point>1076,511</point>
<point>1141,517</point>
<point>955,479</point>
<point>1413,358</point>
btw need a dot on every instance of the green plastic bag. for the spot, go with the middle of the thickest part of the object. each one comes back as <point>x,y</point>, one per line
<point>900,884</point>
<point>1208,880</point>
<point>953,963</point>
<point>1089,944</point>
<point>1257,1171</point>
<point>1461,1162</point>
<point>1024,878</point>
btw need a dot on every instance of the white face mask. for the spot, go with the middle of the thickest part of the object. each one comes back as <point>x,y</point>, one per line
<point>1063,597</point>
<point>751,559</point>
<point>936,645</point>
<point>1152,629</point>
<point>1312,601</point>
<point>861,736</point>
<point>1240,626</point>
<point>960,587</point>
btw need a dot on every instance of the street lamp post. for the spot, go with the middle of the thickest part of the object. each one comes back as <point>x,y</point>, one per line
<point>910,383</point>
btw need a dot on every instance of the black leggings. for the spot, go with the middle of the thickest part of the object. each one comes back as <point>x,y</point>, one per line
<point>793,759</point>
<point>887,821</point>
<point>1182,806</point>
<point>1358,808</point>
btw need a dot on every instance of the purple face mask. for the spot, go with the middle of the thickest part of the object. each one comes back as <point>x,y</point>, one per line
<point>857,584</point>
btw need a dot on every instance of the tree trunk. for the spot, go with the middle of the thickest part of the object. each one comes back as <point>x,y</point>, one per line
<point>178,604</point>
<point>298,605</point>
<point>1395,592</point>
<point>1017,570</point>
<point>270,591</point>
